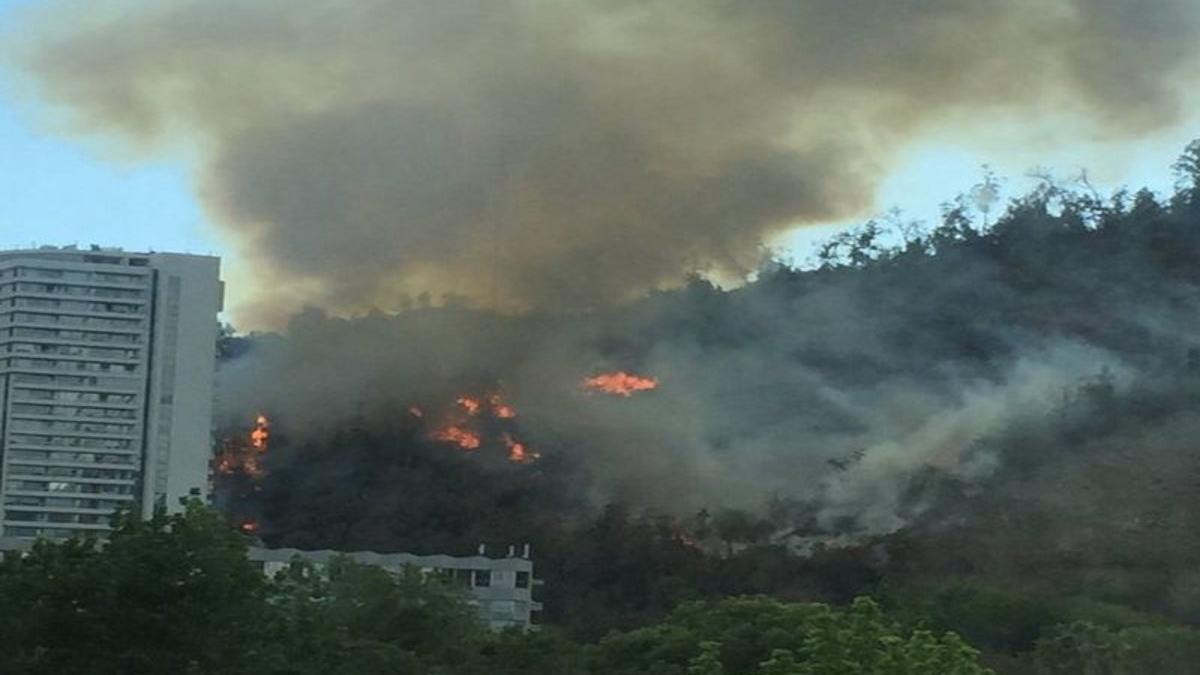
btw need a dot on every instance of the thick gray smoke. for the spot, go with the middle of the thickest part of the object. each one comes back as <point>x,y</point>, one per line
<point>574,153</point>
<point>571,155</point>
<point>739,413</point>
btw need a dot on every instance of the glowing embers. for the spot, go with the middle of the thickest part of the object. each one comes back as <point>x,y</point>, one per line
<point>470,404</point>
<point>501,409</point>
<point>463,438</point>
<point>517,452</point>
<point>619,383</point>
<point>244,455</point>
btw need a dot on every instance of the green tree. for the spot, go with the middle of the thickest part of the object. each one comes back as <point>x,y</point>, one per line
<point>862,641</point>
<point>542,652</point>
<point>987,617</point>
<point>708,661</point>
<point>759,635</point>
<point>173,594</point>
<point>1080,648</point>
<point>349,617</point>
<point>1085,648</point>
<point>782,662</point>
<point>1187,175</point>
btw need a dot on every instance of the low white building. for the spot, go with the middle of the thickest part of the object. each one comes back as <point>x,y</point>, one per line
<point>501,588</point>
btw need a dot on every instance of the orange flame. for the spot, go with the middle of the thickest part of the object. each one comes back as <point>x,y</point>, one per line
<point>470,404</point>
<point>459,428</point>
<point>260,433</point>
<point>252,467</point>
<point>517,452</point>
<point>620,383</point>
<point>501,409</point>
<point>249,526</point>
<point>238,455</point>
<point>227,463</point>
<point>463,438</point>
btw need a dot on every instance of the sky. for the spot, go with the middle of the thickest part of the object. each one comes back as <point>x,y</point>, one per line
<point>932,173</point>
<point>68,188</point>
<point>58,191</point>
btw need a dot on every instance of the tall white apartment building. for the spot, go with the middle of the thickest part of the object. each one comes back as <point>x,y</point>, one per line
<point>106,385</point>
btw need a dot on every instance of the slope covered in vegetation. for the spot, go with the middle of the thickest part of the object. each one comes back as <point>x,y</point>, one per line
<point>1010,406</point>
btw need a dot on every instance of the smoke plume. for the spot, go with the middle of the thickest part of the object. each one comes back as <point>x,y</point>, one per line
<point>567,154</point>
<point>751,401</point>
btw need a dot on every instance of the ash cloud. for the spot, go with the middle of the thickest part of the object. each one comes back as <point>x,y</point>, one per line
<point>567,155</point>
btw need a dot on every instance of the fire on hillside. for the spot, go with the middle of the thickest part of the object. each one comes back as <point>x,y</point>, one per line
<point>473,420</point>
<point>619,383</point>
<point>244,455</point>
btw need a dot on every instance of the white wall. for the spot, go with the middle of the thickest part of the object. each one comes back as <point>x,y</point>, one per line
<point>179,438</point>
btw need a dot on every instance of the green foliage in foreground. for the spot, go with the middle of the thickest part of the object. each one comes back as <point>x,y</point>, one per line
<point>1026,633</point>
<point>177,595</point>
<point>768,637</point>
<point>1083,648</point>
<point>168,595</point>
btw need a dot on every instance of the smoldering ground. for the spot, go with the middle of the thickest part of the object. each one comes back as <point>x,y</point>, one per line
<point>566,154</point>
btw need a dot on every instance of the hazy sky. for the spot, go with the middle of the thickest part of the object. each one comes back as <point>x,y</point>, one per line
<point>63,188</point>
<point>55,190</point>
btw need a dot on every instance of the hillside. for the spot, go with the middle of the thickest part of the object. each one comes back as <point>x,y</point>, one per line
<point>1014,404</point>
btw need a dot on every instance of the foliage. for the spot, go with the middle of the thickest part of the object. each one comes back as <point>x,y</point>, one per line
<point>171,594</point>
<point>1083,648</point>
<point>1087,517</point>
<point>176,594</point>
<point>760,635</point>
<point>985,616</point>
<point>350,613</point>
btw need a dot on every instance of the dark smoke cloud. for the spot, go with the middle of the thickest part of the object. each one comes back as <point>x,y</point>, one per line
<point>569,154</point>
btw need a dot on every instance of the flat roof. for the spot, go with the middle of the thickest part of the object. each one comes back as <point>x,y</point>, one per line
<point>260,554</point>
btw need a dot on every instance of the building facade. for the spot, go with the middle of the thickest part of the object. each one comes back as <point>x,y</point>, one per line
<point>106,385</point>
<point>500,588</point>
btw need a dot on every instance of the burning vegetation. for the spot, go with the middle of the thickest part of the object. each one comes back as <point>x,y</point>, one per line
<point>517,452</point>
<point>901,448</point>
<point>500,409</point>
<point>261,433</point>
<point>470,404</point>
<point>244,454</point>
<point>239,470</point>
<point>474,420</point>
<point>619,383</point>
<point>463,438</point>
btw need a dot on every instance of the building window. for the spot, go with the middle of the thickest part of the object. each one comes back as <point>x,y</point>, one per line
<point>483,578</point>
<point>522,579</point>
